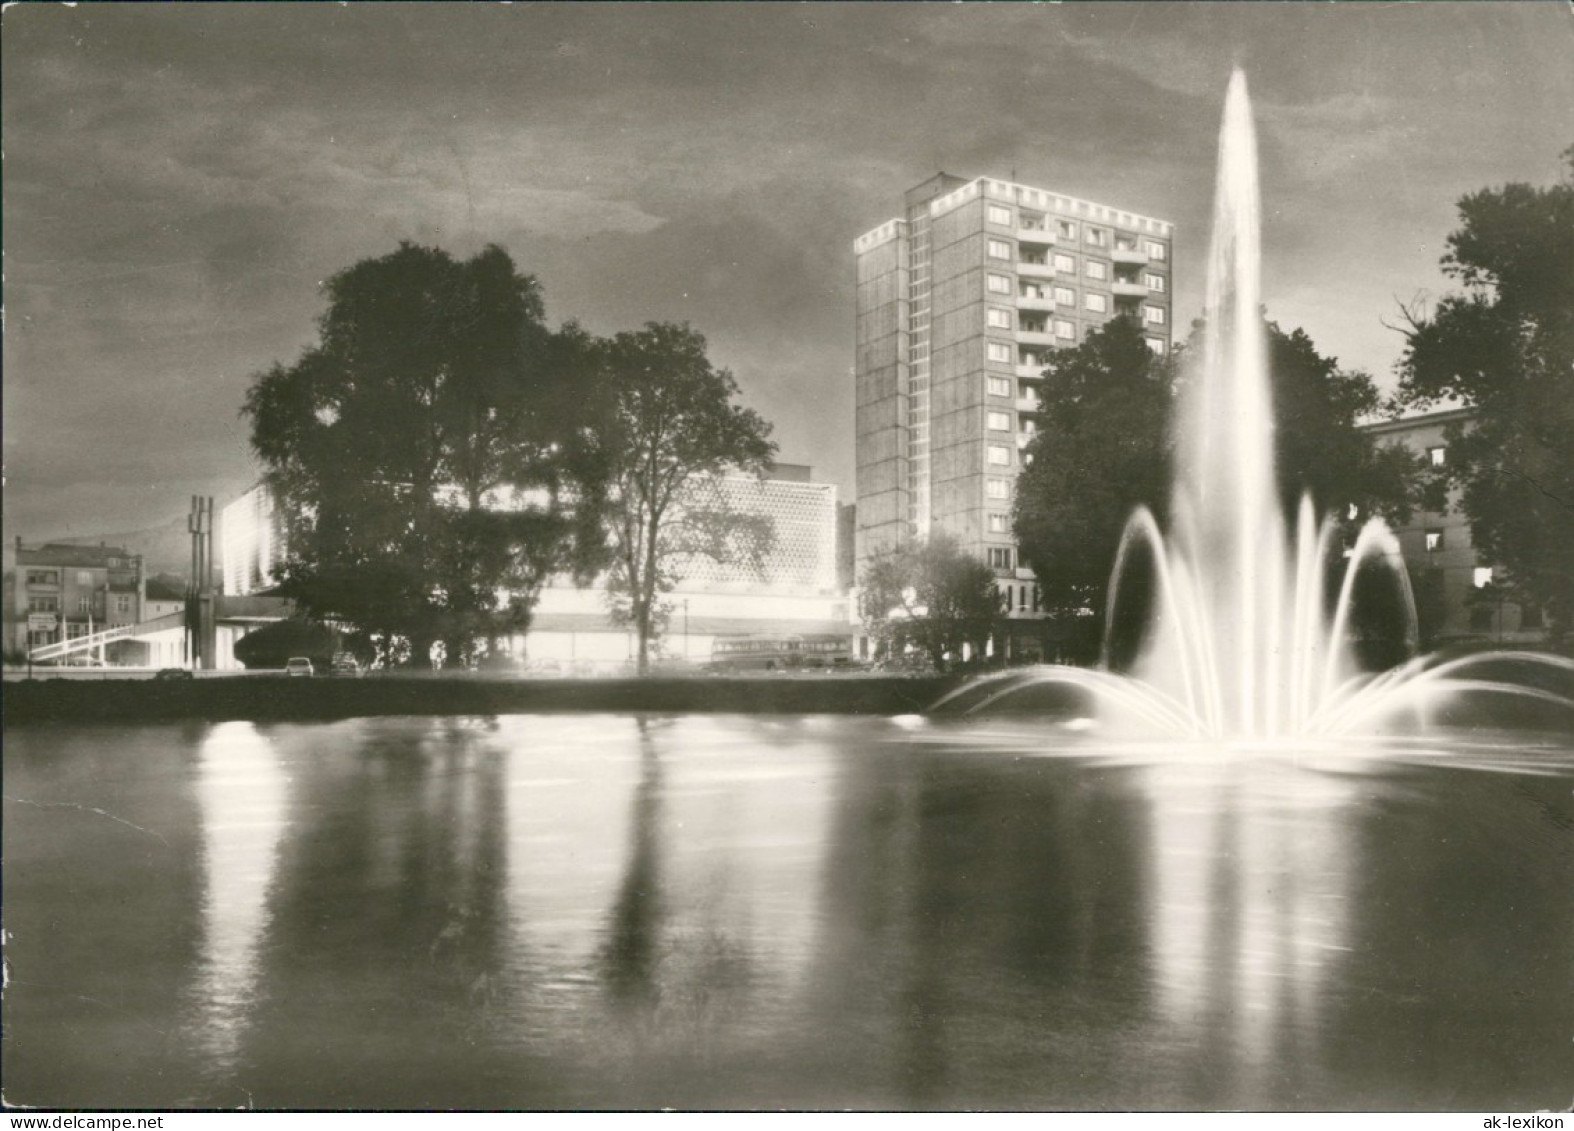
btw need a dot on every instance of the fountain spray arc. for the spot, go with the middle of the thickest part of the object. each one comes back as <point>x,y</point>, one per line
<point>1242,646</point>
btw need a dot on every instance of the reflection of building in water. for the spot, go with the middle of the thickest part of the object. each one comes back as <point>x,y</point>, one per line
<point>381,942</point>
<point>242,794</point>
<point>979,922</point>
<point>648,881</point>
<point>1454,601</point>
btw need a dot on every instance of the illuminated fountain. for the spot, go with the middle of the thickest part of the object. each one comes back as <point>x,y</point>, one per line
<point>1242,646</point>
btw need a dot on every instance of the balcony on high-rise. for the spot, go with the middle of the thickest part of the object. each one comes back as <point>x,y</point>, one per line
<point>1128,251</point>
<point>1035,298</point>
<point>1035,266</point>
<point>1034,231</point>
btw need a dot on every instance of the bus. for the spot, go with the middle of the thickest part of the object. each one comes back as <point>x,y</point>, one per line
<point>779,652</point>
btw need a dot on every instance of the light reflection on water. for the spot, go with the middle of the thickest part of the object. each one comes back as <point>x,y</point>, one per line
<point>241,796</point>
<point>577,911</point>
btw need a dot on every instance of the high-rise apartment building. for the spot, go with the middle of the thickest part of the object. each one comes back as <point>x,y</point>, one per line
<point>960,299</point>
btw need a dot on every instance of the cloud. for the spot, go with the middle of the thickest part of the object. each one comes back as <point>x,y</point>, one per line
<point>180,178</point>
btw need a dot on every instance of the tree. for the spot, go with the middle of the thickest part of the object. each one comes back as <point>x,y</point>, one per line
<point>1504,347</point>
<point>672,433</point>
<point>429,451</point>
<point>930,594</point>
<point>271,645</point>
<point>1320,451</point>
<point>1102,449</point>
<point>1105,442</point>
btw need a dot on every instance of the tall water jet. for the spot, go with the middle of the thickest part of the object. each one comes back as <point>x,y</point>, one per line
<point>1242,645</point>
<point>1227,525</point>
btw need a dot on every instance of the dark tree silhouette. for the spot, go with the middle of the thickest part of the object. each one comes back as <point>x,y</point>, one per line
<point>930,594</point>
<point>1504,347</point>
<point>1104,447</point>
<point>429,451</point>
<point>672,431</point>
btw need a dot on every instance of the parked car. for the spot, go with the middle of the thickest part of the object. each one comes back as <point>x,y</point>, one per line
<point>173,673</point>
<point>298,665</point>
<point>344,664</point>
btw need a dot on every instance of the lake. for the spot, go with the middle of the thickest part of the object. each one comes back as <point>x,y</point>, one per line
<point>641,911</point>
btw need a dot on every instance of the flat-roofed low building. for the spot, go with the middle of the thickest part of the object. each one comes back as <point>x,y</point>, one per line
<point>794,591</point>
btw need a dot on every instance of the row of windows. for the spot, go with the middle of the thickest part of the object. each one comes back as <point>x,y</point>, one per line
<point>1067,229</point>
<point>1064,296</point>
<point>1000,318</point>
<point>1067,264</point>
<point>50,577</point>
<point>1022,597</point>
<point>1065,331</point>
<point>84,604</point>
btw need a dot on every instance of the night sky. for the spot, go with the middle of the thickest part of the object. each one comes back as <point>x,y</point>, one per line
<point>179,179</point>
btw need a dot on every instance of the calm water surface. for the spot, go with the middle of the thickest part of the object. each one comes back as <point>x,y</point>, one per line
<point>617,911</point>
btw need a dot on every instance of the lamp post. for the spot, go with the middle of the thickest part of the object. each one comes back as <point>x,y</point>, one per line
<point>686,628</point>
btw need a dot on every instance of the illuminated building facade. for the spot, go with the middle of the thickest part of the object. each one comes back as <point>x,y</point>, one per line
<point>959,301</point>
<point>251,542</point>
<point>795,591</point>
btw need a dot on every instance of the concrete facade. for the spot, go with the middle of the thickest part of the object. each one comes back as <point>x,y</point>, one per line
<point>78,590</point>
<point>1446,573</point>
<point>959,301</point>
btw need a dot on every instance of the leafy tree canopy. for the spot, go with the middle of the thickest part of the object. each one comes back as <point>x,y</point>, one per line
<point>1504,348</point>
<point>1104,447</point>
<point>271,645</point>
<point>931,595</point>
<point>429,450</point>
<point>1319,451</point>
<point>673,430</point>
